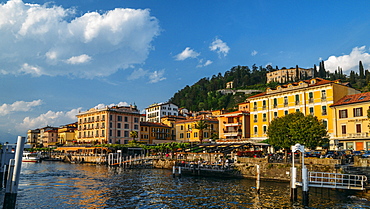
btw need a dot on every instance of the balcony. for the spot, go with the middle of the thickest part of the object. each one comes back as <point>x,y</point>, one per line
<point>324,113</point>
<point>275,106</point>
<point>232,133</point>
<point>297,102</point>
<point>254,108</point>
<point>323,99</point>
<point>264,119</point>
<point>264,107</point>
<point>310,100</point>
<point>285,104</point>
<point>356,135</point>
<point>233,124</point>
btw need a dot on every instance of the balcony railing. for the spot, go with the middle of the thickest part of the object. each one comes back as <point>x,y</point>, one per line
<point>296,102</point>
<point>356,135</point>
<point>285,104</point>
<point>310,100</point>
<point>323,99</point>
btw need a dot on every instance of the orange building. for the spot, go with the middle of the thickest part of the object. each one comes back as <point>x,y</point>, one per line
<point>154,133</point>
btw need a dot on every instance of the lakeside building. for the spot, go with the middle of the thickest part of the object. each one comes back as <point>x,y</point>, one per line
<point>285,75</point>
<point>33,137</point>
<point>154,133</point>
<point>66,134</point>
<point>351,123</point>
<point>170,121</point>
<point>235,125</point>
<point>313,96</point>
<point>108,125</point>
<point>49,136</point>
<point>186,132</point>
<point>155,112</point>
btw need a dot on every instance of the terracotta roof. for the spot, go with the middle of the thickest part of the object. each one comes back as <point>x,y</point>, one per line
<point>233,113</point>
<point>197,119</point>
<point>355,98</point>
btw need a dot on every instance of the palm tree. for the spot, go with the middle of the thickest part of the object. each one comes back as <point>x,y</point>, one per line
<point>134,135</point>
<point>201,125</point>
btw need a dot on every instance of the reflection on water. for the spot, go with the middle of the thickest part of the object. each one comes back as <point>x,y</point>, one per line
<point>62,185</point>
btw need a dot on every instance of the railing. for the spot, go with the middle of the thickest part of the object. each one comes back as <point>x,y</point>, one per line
<point>337,180</point>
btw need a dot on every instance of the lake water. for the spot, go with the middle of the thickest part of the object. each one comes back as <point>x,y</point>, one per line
<point>63,185</point>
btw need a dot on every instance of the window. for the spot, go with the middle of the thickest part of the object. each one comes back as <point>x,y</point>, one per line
<point>343,114</point>
<point>119,118</point>
<point>297,99</point>
<point>127,126</point>
<point>119,133</point>
<point>285,101</point>
<point>110,125</point>
<point>127,134</point>
<point>136,127</point>
<point>347,100</point>
<point>264,104</point>
<point>205,134</point>
<point>264,129</point>
<point>323,110</point>
<point>181,127</point>
<point>110,117</point>
<point>255,118</point>
<point>286,112</point>
<point>195,134</point>
<point>110,133</point>
<point>136,120</point>
<point>118,125</point>
<point>297,110</point>
<point>275,114</point>
<point>255,130</point>
<point>344,129</point>
<point>361,98</point>
<point>310,97</point>
<point>255,106</point>
<point>275,102</point>
<point>126,118</point>
<point>325,122</point>
<point>264,117</point>
<point>357,112</point>
<point>323,95</point>
<point>188,135</point>
<point>358,128</point>
<point>181,136</point>
<point>311,110</point>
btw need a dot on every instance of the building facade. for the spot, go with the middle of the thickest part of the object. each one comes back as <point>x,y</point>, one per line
<point>108,125</point>
<point>33,138</point>
<point>154,133</point>
<point>66,134</point>
<point>234,126</point>
<point>286,75</point>
<point>351,122</point>
<point>313,96</point>
<point>155,112</point>
<point>186,131</point>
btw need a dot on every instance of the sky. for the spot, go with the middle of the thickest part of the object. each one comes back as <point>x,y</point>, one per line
<point>64,56</point>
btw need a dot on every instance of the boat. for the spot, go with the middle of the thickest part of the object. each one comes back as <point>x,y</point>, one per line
<point>31,157</point>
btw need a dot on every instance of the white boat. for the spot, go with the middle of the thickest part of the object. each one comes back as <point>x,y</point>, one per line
<point>32,157</point>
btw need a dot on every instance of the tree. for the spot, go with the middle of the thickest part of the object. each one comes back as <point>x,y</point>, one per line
<point>200,125</point>
<point>361,70</point>
<point>295,128</point>
<point>134,135</point>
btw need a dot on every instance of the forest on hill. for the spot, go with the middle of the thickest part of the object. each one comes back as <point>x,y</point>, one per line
<point>203,95</point>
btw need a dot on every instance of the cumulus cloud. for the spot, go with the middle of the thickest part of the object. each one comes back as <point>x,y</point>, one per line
<point>51,40</point>
<point>187,53</point>
<point>254,53</point>
<point>203,64</point>
<point>101,106</point>
<point>156,76</point>
<point>220,47</point>
<point>18,106</point>
<point>49,118</point>
<point>349,62</point>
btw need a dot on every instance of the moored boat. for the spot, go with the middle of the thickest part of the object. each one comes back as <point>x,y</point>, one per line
<point>31,157</point>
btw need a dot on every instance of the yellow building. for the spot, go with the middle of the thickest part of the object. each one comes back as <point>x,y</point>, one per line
<point>108,125</point>
<point>154,133</point>
<point>66,134</point>
<point>33,138</point>
<point>186,132</point>
<point>351,122</point>
<point>170,121</point>
<point>313,96</point>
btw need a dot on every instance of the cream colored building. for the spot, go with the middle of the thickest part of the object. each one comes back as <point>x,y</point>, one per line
<point>108,125</point>
<point>286,75</point>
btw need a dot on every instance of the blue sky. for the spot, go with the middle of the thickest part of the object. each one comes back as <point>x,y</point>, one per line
<point>60,57</point>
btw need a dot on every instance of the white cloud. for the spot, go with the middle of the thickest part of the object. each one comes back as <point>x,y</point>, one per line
<point>101,106</point>
<point>187,53</point>
<point>18,106</point>
<point>136,74</point>
<point>349,62</point>
<point>220,47</point>
<point>50,40</point>
<point>208,62</point>
<point>50,118</point>
<point>254,53</point>
<point>79,59</point>
<point>156,76</point>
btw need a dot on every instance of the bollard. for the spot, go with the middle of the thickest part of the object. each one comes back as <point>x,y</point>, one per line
<point>293,186</point>
<point>304,186</point>
<point>13,181</point>
<point>179,172</point>
<point>173,171</point>
<point>258,179</point>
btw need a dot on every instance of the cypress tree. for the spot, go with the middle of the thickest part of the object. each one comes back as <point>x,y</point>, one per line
<point>297,75</point>
<point>315,73</point>
<point>361,70</point>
